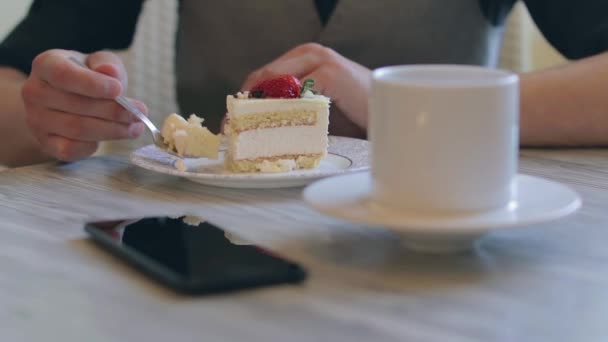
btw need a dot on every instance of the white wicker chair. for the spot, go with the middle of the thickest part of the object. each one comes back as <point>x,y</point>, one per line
<point>149,63</point>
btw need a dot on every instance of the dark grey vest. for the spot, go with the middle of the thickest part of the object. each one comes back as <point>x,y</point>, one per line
<point>220,42</point>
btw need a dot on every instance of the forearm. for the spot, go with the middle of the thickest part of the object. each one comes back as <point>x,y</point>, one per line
<point>18,146</point>
<point>566,105</point>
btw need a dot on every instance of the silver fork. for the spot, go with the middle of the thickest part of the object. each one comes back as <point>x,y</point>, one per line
<point>121,100</point>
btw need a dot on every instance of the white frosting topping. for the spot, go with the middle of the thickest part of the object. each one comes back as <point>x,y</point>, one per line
<point>242,95</point>
<point>243,106</point>
<point>309,95</point>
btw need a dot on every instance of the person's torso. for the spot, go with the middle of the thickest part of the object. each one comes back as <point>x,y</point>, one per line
<point>220,42</point>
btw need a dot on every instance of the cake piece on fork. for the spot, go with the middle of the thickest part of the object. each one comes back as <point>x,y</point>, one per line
<point>189,138</point>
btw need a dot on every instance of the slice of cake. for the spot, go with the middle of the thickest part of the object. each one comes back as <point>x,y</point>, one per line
<point>188,138</point>
<point>278,126</point>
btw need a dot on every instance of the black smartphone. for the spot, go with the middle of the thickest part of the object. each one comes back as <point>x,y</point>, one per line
<point>192,256</point>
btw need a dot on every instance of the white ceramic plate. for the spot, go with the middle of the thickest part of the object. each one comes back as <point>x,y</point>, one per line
<point>345,155</point>
<point>348,197</point>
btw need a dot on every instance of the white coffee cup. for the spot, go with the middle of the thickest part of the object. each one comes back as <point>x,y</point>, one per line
<point>444,138</point>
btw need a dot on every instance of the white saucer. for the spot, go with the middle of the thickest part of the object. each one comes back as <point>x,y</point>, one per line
<point>348,197</point>
<point>346,155</point>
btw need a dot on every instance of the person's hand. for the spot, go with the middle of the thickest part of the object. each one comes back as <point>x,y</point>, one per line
<point>70,109</point>
<point>344,81</point>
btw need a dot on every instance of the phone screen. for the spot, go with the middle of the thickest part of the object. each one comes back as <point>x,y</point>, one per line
<point>193,256</point>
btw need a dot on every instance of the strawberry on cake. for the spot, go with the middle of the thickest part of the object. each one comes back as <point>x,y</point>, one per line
<point>277,126</point>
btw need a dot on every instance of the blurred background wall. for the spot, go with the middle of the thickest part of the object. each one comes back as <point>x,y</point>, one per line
<point>149,61</point>
<point>524,48</point>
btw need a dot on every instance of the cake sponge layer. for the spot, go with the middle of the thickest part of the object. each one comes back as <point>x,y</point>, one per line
<point>273,119</point>
<point>284,163</point>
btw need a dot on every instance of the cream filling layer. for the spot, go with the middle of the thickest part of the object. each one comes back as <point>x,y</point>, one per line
<point>289,140</point>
